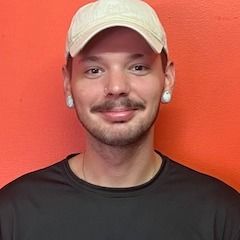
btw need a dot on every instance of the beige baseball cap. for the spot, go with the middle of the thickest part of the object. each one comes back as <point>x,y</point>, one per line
<point>97,16</point>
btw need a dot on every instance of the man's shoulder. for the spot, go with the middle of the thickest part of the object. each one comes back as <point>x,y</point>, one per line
<point>30,182</point>
<point>195,183</point>
<point>205,199</point>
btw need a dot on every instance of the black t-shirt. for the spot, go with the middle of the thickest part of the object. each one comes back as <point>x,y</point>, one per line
<point>177,204</point>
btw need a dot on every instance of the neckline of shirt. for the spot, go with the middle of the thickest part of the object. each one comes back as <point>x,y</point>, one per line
<point>146,187</point>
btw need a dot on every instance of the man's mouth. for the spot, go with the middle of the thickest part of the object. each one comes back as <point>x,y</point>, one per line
<point>118,111</point>
<point>118,114</point>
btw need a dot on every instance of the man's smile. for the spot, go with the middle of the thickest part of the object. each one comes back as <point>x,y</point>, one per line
<point>118,114</point>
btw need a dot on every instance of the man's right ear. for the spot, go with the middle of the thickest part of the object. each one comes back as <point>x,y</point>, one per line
<point>67,87</point>
<point>66,80</point>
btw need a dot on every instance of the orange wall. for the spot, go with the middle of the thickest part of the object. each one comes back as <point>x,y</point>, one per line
<point>200,128</point>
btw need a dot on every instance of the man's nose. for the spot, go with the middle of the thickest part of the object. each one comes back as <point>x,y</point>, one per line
<point>117,84</point>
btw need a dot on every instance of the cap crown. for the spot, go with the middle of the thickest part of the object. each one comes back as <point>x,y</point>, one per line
<point>99,15</point>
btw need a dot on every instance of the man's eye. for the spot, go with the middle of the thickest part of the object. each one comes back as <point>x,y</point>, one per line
<point>93,72</point>
<point>140,69</point>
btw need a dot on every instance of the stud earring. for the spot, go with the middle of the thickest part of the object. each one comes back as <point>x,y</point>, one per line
<point>166,97</point>
<point>69,101</point>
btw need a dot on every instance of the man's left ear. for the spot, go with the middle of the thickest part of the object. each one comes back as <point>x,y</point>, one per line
<point>168,83</point>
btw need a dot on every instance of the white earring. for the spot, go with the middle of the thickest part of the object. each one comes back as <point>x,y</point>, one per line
<point>166,97</point>
<point>69,101</point>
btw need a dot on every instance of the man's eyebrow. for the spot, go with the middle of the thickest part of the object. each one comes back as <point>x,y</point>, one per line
<point>90,58</point>
<point>136,56</point>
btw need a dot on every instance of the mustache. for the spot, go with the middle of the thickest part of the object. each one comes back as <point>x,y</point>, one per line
<point>121,102</point>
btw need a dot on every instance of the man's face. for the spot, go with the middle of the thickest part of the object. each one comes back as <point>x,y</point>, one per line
<point>116,83</point>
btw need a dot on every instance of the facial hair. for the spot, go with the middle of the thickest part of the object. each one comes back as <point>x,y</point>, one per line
<point>130,134</point>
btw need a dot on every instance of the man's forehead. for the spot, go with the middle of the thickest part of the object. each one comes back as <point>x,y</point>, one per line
<point>117,39</point>
<point>99,58</point>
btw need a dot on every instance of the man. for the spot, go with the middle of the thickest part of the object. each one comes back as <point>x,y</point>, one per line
<point>118,71</point>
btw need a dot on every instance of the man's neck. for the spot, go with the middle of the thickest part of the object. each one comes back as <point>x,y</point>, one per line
<point>112,166</point>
